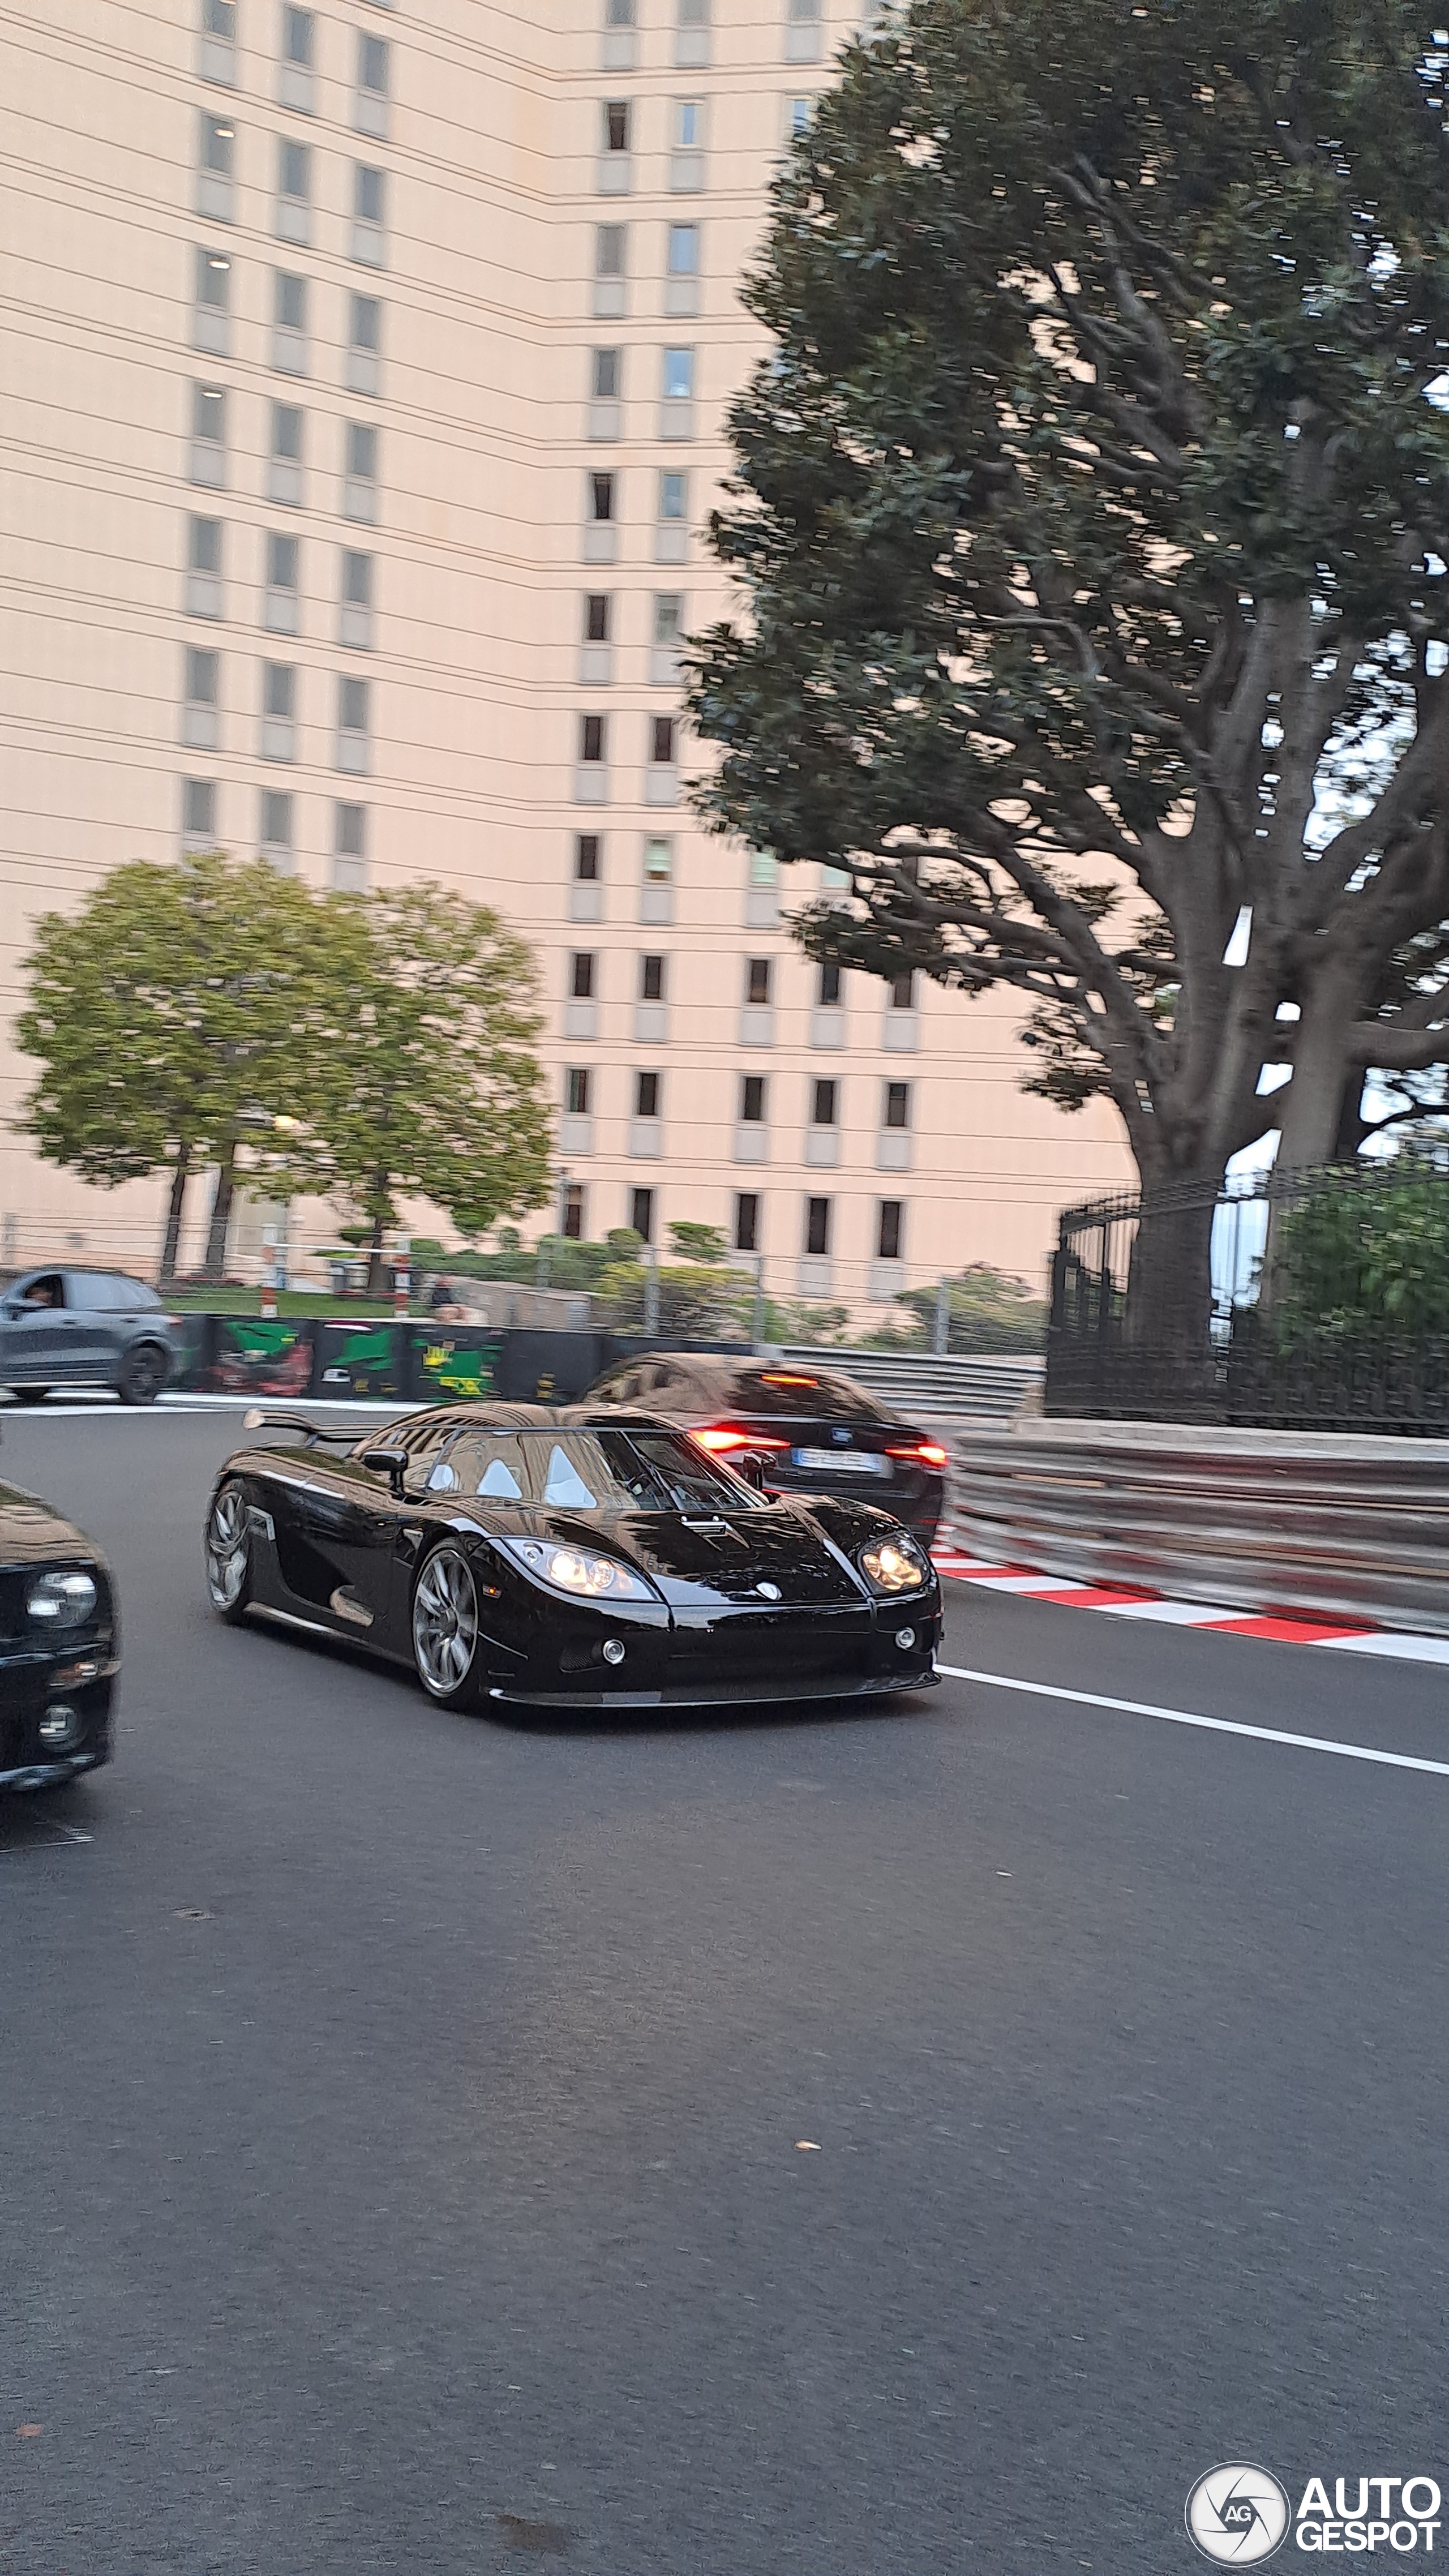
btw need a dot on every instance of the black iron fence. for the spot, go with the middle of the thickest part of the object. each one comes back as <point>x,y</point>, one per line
<point>1318,1301</point>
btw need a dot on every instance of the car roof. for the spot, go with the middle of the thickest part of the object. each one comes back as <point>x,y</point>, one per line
<point>483,1416</point>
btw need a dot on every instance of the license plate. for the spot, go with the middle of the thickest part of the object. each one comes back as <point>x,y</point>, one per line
<point>842,1462</point>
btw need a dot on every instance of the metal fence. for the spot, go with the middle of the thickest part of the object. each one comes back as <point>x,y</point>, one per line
<point>1317,1301</point>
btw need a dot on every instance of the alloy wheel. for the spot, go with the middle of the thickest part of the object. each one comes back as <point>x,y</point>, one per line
<point>445,1623</point>
<point>227,1548</point>
<point>142,1377</point>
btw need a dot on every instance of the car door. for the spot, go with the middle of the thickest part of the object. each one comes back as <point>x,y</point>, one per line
<point>95,1299</point>
<point>41,1342</point>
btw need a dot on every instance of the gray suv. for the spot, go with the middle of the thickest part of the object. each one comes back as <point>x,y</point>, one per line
<point>62,1328</point>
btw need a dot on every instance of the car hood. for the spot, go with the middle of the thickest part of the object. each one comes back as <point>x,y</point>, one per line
<point>697,1560</point>
<point>32,1534</point>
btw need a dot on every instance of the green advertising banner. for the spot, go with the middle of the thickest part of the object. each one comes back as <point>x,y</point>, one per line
<point>454,1366</point>
<point>364,1359</point>
<point>253,1356</point>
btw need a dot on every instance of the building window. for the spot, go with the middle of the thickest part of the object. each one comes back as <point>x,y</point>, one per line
<point>280,691</point>
<point>582,981</point>
<point>208,435</point>
<point>276,823</point>
<point>823,1105</point>
<point>355,622</point>
<point>888,1229</point>
<point>198,812</point>
<point>829,988</point>
<point>757,980</point>
<point>353,709</point>
<point>752,1098</point>
<point>284,465</point>
<point>897,1104</point>
<point>646,1095</point>
<point>373,72</point>
<point>903,992</point>
<point>601,499</point>
<point>203,689</point>
<point>798,112</point>
<point>688,124</point>
<point>289,316</point>
<point>662,730</point>
<point>817,1227</point>
<point>586,858</point>
<point>641,1214</point>
<point>211,319</point>
<point>359,496</point>
<point>591,738</point>
<point>279,604</point>
<point>596,617</point>
<point>349,848</point>
<point>764,868</point>
<point>651,979</point>
<point>216,155</point>
<point>605,386</point>
<point>368,193</point>
<point>684,250</point>
<point>619,13</point>
<point>218,18</point>
<point>803,31</point>
<point>747,1221</point>
<point>673,497</point>
<point>573,1211</point>
<point>294,190</point>
<point>298,26</point>
<point>364,344</point>
<point>609,242</point>
<point>203,568</point>
<point>576,1091</point>
<point>616,125</point>
<point>679,375</point>
<point>658,862</point>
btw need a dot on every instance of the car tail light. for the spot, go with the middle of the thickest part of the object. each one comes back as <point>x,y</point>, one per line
<point>930,1453</point>
<point>720,1437</point>
<point>782,1377</point>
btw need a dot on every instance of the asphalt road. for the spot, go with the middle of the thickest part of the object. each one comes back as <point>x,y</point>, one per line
<point>401,2162</point>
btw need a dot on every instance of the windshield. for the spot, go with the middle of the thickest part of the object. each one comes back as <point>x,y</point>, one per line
<point>802,1392</point>
<point>590,1471</point>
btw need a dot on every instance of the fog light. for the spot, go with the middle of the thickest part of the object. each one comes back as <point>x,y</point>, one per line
<point>613,1650</point>
<point>905,1639</point>
<point>60,1726</point>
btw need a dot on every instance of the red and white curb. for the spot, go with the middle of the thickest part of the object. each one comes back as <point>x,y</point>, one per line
<point>1123,1602</point>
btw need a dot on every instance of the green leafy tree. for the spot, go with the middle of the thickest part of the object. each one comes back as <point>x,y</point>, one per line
<point>431,1089</point>
<point>1091,524</point>
<point>179,1011</point>
<point>987,1310</point>
<point>1358,1260</point>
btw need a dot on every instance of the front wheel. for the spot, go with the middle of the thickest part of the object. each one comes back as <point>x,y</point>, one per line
<point>143,1375</point>
<point>446,1627</point>
<point>229,1551</point>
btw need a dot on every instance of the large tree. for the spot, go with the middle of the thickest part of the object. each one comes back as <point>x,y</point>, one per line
<point>174,1016</point>
<point>431,1089</point>
<point>1091,523</point>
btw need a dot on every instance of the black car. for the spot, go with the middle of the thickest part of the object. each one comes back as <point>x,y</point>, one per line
<point>575,1559</point>
<point>59,1647</point>
<point>63,1328</point>
<point>813,1432</point>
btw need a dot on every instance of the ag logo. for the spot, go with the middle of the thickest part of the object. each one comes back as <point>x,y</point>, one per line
<point>1237,2514</point>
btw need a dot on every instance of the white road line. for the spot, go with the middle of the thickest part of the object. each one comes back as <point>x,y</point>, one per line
<point>1187,1717</point>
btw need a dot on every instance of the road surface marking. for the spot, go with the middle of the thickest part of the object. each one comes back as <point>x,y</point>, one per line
<point>1188,1717</point>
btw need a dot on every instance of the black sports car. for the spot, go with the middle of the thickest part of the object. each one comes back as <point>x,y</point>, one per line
<point>59,1647</point>
<point>579,1559</point>
<point>814,1432</point>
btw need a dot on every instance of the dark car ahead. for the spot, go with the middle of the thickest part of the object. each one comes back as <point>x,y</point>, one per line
<point>59,1646</point>
<point>813,1432</point>
<point>585,1559</point>
<point>65,1328</point>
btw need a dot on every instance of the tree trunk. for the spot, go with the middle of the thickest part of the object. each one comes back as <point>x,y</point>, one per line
<point>170,1249</point>
<point>1352,1124</point>
<point>1166,1345</point>
<point>375,1286</point>
<point>214,1266</point>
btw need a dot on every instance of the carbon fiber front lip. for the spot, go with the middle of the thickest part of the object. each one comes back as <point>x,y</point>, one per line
<point>721,1695</point>
<point>50,1775</point>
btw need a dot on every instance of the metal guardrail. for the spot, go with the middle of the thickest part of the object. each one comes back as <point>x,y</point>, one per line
<point>928,1382</point>
<point>1354,1529</point>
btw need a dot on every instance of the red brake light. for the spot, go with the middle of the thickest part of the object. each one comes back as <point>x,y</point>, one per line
<point>929,1451</point>
<point>776,1377</point>
<point>719,1437</point>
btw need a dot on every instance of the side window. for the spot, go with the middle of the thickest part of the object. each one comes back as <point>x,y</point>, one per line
<point>486,1464</point>
<point>47,1288</point>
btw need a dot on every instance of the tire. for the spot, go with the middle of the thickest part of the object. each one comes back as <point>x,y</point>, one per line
<point>144,1372</point>
<point>229,1551</point>
<point>446,1628</point>
<point>30,1394</point>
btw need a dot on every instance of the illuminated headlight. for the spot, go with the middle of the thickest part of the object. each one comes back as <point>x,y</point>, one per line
<point>579,1571</point>
<point>895,1565</point>
<point>62,1599</point>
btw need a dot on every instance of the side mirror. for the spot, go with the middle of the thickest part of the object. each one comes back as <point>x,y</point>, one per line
<point>751,1466</point>
<point>391,1463</point>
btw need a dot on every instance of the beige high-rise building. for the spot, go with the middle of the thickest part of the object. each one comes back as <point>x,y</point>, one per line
<point>365,369</point>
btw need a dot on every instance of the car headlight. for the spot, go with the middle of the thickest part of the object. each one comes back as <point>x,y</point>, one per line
<point>895,1564</point>
<point>62,1599</point>
<point>580,1571</point>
